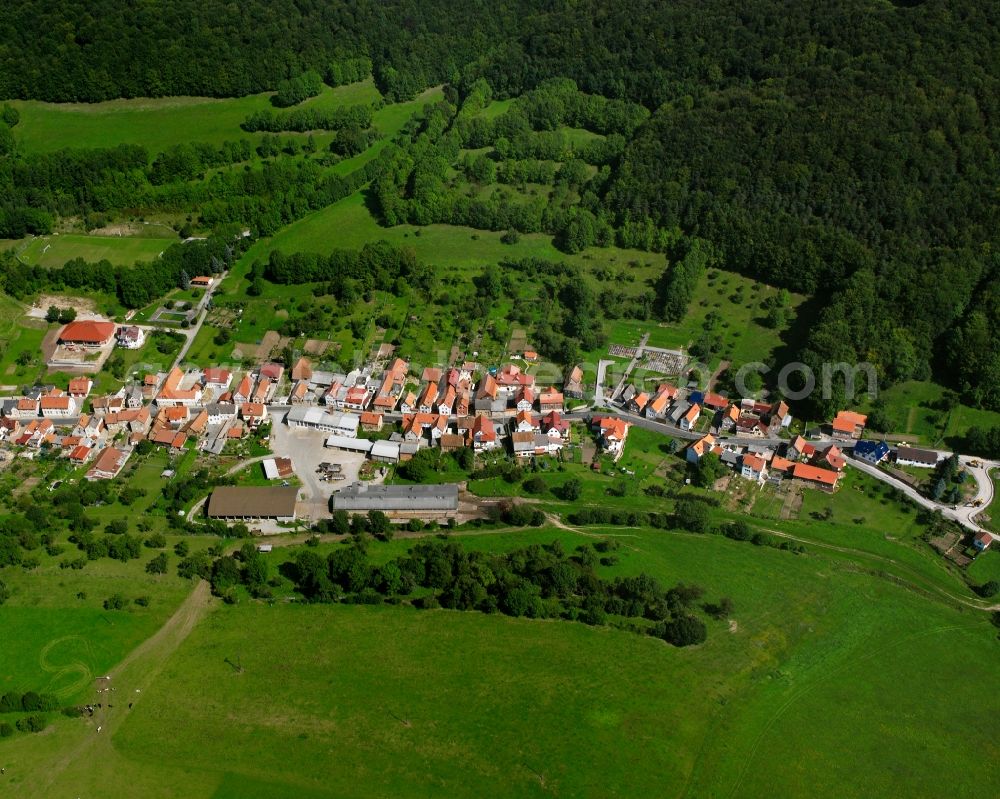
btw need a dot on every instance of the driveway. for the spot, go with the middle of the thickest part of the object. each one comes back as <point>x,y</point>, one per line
<point>307,451</point>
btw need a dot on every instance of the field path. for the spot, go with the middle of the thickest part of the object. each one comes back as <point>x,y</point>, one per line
<point>872,556</point>
<point>133,674</point>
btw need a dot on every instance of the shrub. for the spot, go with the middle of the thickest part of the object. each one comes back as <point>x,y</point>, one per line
<point>32,723</point>
<point>684,630</point>
<point>115,602</point>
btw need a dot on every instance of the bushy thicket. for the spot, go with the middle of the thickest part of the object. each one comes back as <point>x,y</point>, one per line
<point>534,582</point>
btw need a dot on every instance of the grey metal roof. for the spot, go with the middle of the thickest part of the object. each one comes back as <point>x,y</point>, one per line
<point>354,444</point>
<point>361,496</point>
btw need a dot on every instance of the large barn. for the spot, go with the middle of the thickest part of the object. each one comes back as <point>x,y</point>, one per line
<point>405,498</point>
<point>87,333</point>
<point>250,503</point>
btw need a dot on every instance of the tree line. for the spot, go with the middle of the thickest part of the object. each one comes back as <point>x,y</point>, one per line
<point>133,286</point>
<point>540,581</point>
<point>303,120</point>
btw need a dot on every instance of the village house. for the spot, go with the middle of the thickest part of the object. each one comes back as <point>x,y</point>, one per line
<point>253,413</point>
<point>133,397</point>
<point>753,468</point>
<point>385,403</point>
<point>9,428</point>
<point>446,402</point>
<point>921,458</point>
<point>408,403</point>
<point>483,434</point>
<point>172,394</point>
<point>166,437</point>
<point>524,422</point>
<point>510,378</point>
<point>150,383</point>
<point>657,407</point>
<point>262,392</point>
<point>833,457</point>
<point>302,369</point>
<point>690,419</point>
<point>108,464</point>
<point>79,387</point>
<point>799,449</point>
<point>219,412</point>
<point>550,400</point>
<point>824,479</point>
<point>335,395</point>
<point>451,442</point>
<point>198,424</point>
<point>135,421</point>
<point>554,426</point>
<point>272,371</point>
<point>488,397</point>
<point>130,337</point>
<point>873,452</point>
<point>982,540</point>
<point>613,432</point>
<point>524,399</point>
<point>677,411</point>
<point>715,402</point>
<point>300,393</point>
<point>778,468</point>
<point>638,403</point>
<point>700,448</point>
<point>750,426</point>
<point>61,407</point>
<point>573,384</point>
<point>728,418</point>
<point>523,444</point>
<point>244,391</point>
<point>778,417</point>
<point>201,281</point>
<point>848,425</point>
<point>80,455</point>
<point>174,415</point>
<point>356,398</point>
<point>427,398</point>
<point>216,380</point>
<point>25,408</point>
<point>371,422</point>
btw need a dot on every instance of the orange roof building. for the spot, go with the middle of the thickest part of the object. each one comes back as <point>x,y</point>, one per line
<point>824,478</point>
<point>88,333</point>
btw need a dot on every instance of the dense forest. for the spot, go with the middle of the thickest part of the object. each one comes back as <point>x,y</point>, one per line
<point>847,151</point>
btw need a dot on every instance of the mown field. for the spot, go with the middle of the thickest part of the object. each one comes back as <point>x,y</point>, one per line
<point>56,250</point>
<point>825,681</point>
<point>158,123</point>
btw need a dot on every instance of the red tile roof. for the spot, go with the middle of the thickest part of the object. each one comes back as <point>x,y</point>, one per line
<point>88,332</point>
<point>813,473</point>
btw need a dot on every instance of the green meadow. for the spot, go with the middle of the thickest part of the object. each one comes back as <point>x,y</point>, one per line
<point>825,680</point>
<point>913,411</point>
<point>56,250</point>
<point>159,123</point>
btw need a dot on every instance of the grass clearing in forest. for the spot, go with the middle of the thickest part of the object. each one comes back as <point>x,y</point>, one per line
<point>56,250</point>
<point>158,123</point>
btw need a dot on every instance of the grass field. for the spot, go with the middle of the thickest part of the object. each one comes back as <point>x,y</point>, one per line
<point>19,336</point>
<point>56,250</point>
<point>156,124</point>
<point>908,408</point>
<point>826,682</point>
